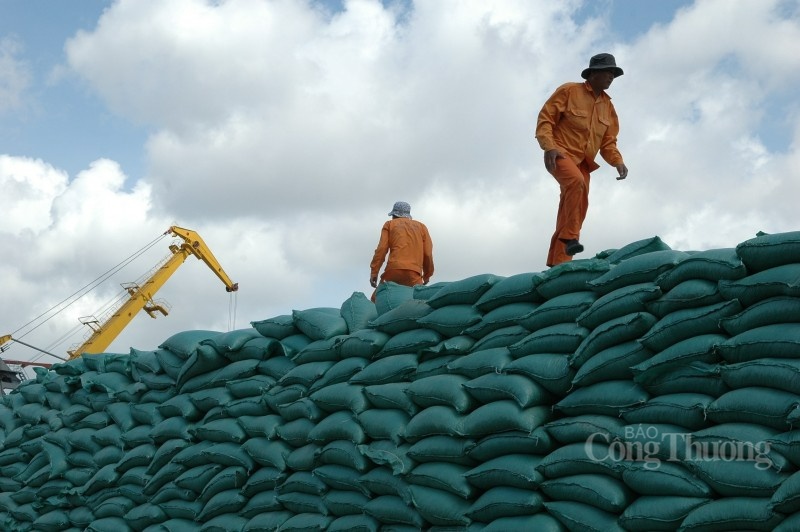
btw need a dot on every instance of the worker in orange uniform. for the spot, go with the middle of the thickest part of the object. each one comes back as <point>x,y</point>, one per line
<point>410,250</point>
<point>576,123</point>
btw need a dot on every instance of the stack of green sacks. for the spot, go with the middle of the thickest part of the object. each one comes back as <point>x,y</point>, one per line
<point>643,389</point>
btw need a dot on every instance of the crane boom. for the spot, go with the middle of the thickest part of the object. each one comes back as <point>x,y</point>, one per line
<point>141,297</point>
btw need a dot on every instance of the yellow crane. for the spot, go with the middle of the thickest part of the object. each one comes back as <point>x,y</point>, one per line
<point>141,297</point>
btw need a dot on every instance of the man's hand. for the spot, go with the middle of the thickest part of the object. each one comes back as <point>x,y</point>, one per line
<point>623,171</point>
<point>373,281</point>
<point>550,157</point>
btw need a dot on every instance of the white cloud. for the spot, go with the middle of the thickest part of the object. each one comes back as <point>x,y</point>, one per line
<point>15,75</point>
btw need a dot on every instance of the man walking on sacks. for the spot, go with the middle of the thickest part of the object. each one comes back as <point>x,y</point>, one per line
<point>410,250</point>
<point>576,123</point>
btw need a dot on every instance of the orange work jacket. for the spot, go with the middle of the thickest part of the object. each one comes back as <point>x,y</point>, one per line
<point>409,246</point>
<point>579,125</point>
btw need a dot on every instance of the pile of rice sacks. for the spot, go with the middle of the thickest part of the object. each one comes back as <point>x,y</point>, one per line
<point>643,389</point>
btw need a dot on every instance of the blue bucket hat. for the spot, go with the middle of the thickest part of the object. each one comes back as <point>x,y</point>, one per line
<point>401,209</point>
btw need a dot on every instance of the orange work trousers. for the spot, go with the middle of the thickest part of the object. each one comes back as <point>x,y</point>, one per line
<point>572,206</point>
<point>404,277</point>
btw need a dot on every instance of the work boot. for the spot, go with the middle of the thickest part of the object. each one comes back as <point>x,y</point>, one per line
<point>573,247</point>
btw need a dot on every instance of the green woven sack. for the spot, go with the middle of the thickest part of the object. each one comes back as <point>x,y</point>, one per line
<point>579,516</point>
<point>412,341</point>
<point>465,291</point>
<point>383,481</point>
<point>278,327</point>
<point>439,507</point>
<point>390,295</point>
<point>338,477</point>
<point>232,341</point>
<point>393,368</point>
<point>684,409</point>
<point>338,373</point>
<point>340,425</point>
<point>384,424</point>
<point>561,309</point>
<point>446,476</point>
<point>688,294</point>
<point>570,276</point>
<point>651,513</point>
<point>452,449</point>
<point>341,396</point>
<point>390,395</point>
<point>434,421</point>
<point>184,343</point>
<point>357,311</point>
<point>755,404</point>
<point>500,317</point>
<point>600,491</point>
<point>617,303</point>
<point>504,501</point>
<point>522,390</point>
<point>320,323</point>
<point>668,479</point>
<point>541,522</point>
<point>444,390</point>
<point>323,350</point>
<point>607,398</point>
<point>581,458</point>
<point>778,373</point>
<point>510,470</point>
<point>643,268</point>
<point>389,454</point>
<point>710,265</point>
<point>639,247</point>
<point>737,478</point>
<point>694,377</point>
<point>577,429</point>
<point>552,371</point>
<point>786,498</point>
<point>451,320</point>
<point>519,288</point>
<point>503,337</point>
<point>612,333</point>
<point>481,362</point>
<point>503,416</point>
<point>401,318</point>
<point>698,348</point>
<point>683,324</point>
<point>778,281</point>
<point>559,338</point>
<point>770,250</point>
<point>458,345</point>
<point>365,343</point>
<point>780,309</point>
<point>781,340</point>
<point>391,510</point>
<point>732,513</point>
<point>743,441</point>
<point>612,363</point>
<point>512,442</point>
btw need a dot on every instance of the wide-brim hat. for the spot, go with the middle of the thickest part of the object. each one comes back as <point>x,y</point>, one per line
<point>602,62</point>
<point>401,209</point>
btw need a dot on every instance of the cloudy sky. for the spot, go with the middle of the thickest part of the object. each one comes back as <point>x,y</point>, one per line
<point>283,130</point>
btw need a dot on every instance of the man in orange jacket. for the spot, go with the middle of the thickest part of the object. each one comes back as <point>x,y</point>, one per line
<point>410,250</point>
<point>576,123</point>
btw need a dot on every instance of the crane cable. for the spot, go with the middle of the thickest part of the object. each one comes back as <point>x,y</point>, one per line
<point>81,292</point>
<point>233,302</point>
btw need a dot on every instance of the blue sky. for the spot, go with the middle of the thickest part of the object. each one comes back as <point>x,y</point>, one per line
<point>283,131</point>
